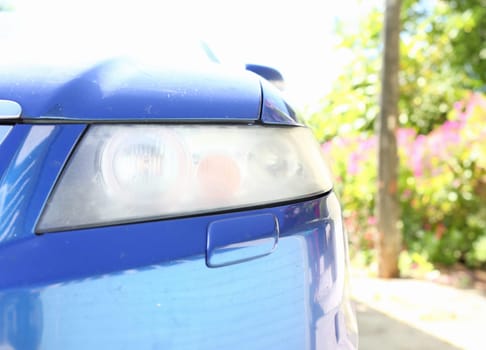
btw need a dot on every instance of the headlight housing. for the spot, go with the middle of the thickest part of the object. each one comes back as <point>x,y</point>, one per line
<point>130,173</point>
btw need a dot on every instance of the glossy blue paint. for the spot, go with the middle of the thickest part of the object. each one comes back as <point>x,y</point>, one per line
<point>251,237</point>
<point>155,298</point>
<point>90,252</point>
<point>275,110</point>
<point>4,130</point>
<point>7,151</point>
<point>32,158</point>
<point>21,316</point>
<point>125,90</point>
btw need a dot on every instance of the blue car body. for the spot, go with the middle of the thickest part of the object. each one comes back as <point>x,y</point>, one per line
<point>158,284</point>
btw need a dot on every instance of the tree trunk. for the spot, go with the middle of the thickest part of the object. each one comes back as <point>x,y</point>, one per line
<point>387,208</point>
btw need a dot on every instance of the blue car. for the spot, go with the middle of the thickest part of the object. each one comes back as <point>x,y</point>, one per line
<point>167,206</point>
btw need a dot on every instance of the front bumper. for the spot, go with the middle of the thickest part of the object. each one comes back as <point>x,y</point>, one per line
<point>148,286</point>
<point>291,299</point>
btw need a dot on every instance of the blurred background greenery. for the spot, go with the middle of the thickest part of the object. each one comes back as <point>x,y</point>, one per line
<point>441,135</point>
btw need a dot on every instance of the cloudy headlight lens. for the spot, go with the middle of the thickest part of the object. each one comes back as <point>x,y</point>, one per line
<point>141,165</point>
<point>130,173</point>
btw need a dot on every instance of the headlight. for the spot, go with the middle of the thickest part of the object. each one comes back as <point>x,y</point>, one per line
<point>129,173</point>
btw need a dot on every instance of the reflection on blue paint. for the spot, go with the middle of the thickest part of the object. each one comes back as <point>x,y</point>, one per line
<point>274,302</point>
<point>4,130</point>
<point>21,320</point>
<point>186,306</point>
<point>23,174</point>
<point>40,152</point>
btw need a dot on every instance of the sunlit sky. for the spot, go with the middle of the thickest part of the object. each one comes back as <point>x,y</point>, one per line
<point>296,37</point>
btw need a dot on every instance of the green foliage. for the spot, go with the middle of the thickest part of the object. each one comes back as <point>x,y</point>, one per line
<point>467,28</point>
<point>429,85</point>
<point>414,265</point>
<point>6,5</point>
<point>437,66</point>
<point>352,105</point>
<point>478,254</point>
<point>442,186</point>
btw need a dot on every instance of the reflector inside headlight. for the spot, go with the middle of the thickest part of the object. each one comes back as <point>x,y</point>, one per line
<point>128,173</point>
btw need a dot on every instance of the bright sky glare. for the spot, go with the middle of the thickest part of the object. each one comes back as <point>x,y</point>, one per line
<point>292,36</point>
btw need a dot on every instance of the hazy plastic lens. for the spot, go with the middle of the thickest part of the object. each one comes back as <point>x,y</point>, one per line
<point>219,176</point>
<point>276,159</point>
<point>139,164</point>
<point>128,173</point>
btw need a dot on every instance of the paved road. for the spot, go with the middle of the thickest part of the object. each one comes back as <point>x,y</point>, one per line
<point>412,314</point>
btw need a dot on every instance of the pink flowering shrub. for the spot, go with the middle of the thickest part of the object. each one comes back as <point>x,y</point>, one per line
<point>442,183</point>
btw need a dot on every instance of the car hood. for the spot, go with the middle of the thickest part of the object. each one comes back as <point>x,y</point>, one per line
<point>125,90</point>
